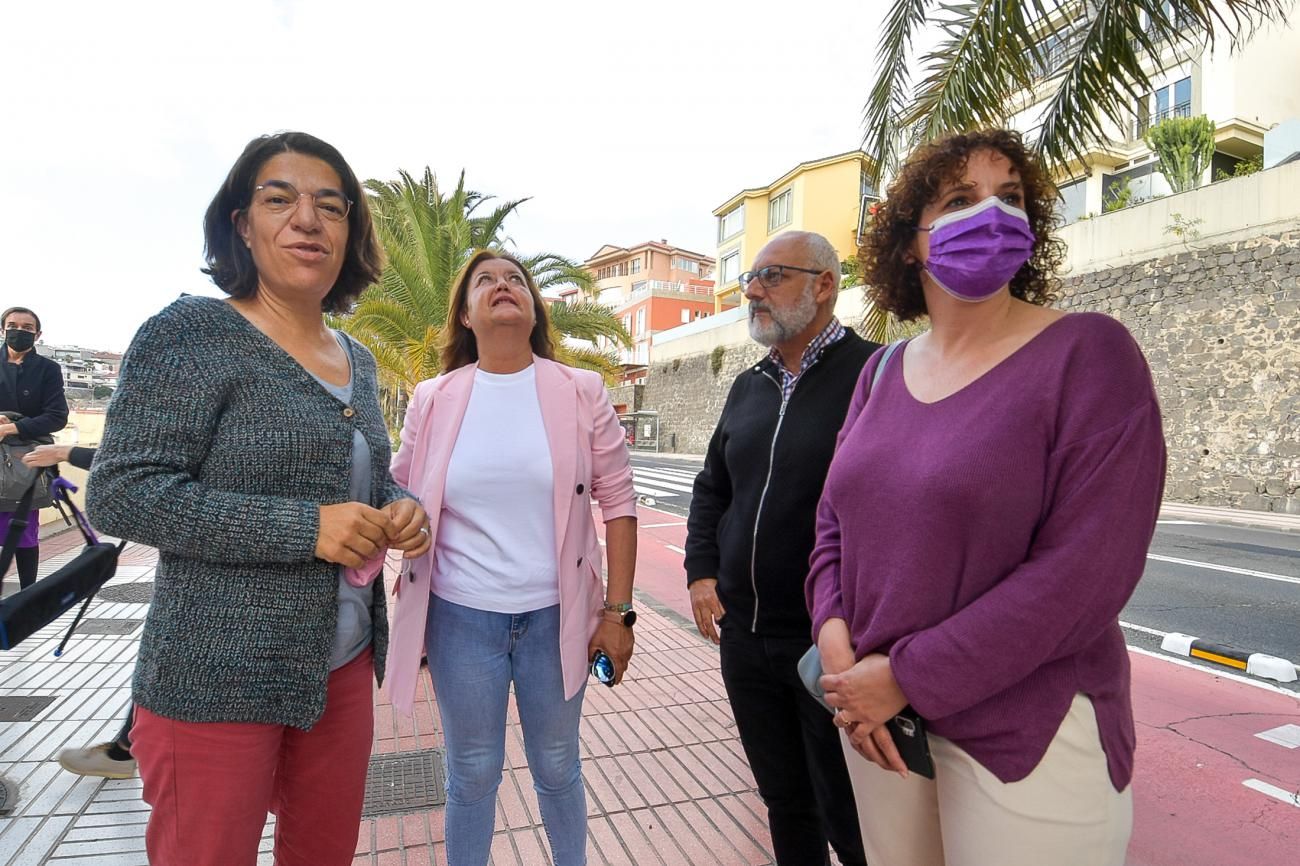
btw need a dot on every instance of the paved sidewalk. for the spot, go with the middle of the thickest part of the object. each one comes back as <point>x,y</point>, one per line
<point>667,782</point>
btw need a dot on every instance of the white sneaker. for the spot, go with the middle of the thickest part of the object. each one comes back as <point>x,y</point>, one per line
<point>95,761</point>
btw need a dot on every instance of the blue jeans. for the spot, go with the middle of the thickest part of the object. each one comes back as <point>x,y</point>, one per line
<point>474,656</point>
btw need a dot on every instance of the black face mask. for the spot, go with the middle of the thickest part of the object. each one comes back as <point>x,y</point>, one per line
<point>19,341</point>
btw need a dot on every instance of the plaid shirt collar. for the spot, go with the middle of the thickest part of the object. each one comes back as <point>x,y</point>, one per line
<point>831,334</point>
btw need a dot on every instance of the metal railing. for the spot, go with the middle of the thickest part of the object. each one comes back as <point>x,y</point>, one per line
<point>1142,124</point>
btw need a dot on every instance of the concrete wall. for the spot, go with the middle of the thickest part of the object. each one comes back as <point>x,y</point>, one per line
<point>1218,318</point>
<point>85,428</point>
<point>1220,326</point>
<point>1229,210</point>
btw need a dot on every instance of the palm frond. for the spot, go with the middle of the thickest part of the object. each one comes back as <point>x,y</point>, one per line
<point>588,320</point>
<point>993,54</point>
<point>888,98</point>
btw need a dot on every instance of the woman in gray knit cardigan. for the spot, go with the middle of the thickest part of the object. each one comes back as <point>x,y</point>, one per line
<point>245,442</point>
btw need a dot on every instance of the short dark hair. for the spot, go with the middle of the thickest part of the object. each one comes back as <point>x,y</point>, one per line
<point>4,319</point>
<point>230,264</point>
<point>893,282</point>
<point>459,346</point>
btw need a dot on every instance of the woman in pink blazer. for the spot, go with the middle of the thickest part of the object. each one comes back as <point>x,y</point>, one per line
<point>506,450</point>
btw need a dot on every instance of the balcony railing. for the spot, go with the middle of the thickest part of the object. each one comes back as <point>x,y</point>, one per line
<point>644,288</point>
<point>1140,127</point>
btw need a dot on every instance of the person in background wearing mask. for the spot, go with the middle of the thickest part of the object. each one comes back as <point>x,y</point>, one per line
<point>32,407</point>
<point>985,518</point>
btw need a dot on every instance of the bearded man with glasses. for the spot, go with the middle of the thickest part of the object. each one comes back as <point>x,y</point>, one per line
<point>750,533</point>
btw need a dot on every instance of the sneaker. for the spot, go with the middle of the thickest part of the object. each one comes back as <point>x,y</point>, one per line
<point>95,761</point>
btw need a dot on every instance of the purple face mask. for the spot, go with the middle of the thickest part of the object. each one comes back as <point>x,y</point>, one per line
<point>976,251</point>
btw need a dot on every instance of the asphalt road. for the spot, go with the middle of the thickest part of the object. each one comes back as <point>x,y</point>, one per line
<point>1228,584</point>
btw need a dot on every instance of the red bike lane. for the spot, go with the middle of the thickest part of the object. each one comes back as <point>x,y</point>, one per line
<point>1207,790</point>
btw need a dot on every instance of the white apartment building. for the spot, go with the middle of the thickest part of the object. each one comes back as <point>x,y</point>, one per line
<point>1244,92</point>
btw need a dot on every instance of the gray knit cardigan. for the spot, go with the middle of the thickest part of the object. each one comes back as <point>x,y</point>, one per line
<point>218,450</point>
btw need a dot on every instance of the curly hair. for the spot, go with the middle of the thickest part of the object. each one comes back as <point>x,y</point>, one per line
<point>893,282</point>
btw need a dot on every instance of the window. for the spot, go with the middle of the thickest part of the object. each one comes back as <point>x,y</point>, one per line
<point>686,316</point>
<point>640,321</point>
<point>1174,100</point>
<point>636,265</point>
<point>778,210</point>
<point>627,323</point>
<point>865,187</point>
<point>1073,200</point>
<point>686,265</point>
<point>731,222</point>
<point>730,267</point>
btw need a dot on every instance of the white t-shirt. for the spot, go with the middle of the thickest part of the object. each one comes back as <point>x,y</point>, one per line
<point>496,535</point>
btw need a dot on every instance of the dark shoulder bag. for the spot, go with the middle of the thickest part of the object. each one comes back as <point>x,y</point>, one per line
<point>30,610</point>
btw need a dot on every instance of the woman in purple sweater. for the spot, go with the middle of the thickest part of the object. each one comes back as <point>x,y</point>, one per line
<point>985,519</point>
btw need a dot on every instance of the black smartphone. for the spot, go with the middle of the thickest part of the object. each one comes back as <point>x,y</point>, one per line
<point>907,730</point>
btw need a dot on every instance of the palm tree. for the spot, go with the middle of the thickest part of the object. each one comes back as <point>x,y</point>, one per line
<point>1087,54</point>
<point>427,235</point>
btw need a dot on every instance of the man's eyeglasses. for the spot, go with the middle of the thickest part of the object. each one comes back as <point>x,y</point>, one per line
<point>772,275</point>
<point>280,197</point>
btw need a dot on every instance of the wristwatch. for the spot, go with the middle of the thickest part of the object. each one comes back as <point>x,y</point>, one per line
<point>627,616</point>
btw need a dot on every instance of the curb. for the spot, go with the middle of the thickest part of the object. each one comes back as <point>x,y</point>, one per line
<point>1232,516</point>
<point>1256,664</point>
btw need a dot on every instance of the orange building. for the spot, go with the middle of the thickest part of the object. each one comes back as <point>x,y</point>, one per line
<point>652,287</point>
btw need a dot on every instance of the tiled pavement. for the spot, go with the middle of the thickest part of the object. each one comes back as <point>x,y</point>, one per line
<point>667,782</point>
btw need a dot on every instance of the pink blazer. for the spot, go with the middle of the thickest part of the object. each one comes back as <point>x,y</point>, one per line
<point>590,461</point>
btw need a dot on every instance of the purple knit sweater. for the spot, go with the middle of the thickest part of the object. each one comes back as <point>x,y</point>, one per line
<point>988,541</point>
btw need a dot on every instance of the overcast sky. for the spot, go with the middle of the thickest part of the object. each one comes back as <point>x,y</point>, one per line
<point>622,122</point>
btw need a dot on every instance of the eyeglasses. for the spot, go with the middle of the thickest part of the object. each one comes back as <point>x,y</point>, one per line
<point>771,276</point>
<point>280,197</point>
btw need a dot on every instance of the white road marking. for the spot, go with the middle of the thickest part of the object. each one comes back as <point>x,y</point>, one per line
<point>1230,569</point>
<point>1273,791</point>
<point>1142,628</point>
<point>1179,523</point>
<point>666,473</point>
<point>1286,736</point>
<point>675,549</point>
<point>652,491</point>
<point>661,525</point>
<point>1268,687</point>
<point>671,482</point>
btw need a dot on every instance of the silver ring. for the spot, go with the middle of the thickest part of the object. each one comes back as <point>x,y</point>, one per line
<point>424,530</point>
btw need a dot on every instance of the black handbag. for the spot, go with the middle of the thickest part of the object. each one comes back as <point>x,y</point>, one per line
<point>16,477</point>
<point>29,610</point>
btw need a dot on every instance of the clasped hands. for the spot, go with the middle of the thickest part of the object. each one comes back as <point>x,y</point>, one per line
<point>865,695</point>
<point>351,533</point>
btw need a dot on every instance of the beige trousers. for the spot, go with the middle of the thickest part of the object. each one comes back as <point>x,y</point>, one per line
<point>1065,813</point>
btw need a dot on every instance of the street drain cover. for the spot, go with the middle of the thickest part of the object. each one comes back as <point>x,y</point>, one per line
<point>140,592</point>
<point>404,782</point>
<point>24,708</point>
<point>8,796</point>
<point>108,626</point>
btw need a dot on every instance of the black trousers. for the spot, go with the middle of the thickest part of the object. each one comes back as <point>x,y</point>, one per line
<point>793,749</point>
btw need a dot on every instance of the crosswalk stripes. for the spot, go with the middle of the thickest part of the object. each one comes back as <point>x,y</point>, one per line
<point>663,483</point>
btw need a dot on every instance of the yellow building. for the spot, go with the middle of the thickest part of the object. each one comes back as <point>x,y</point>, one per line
<point>823,195</point>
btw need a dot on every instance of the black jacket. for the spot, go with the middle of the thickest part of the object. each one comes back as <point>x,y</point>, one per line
<point>33,388</point>
<point>754,506</point>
